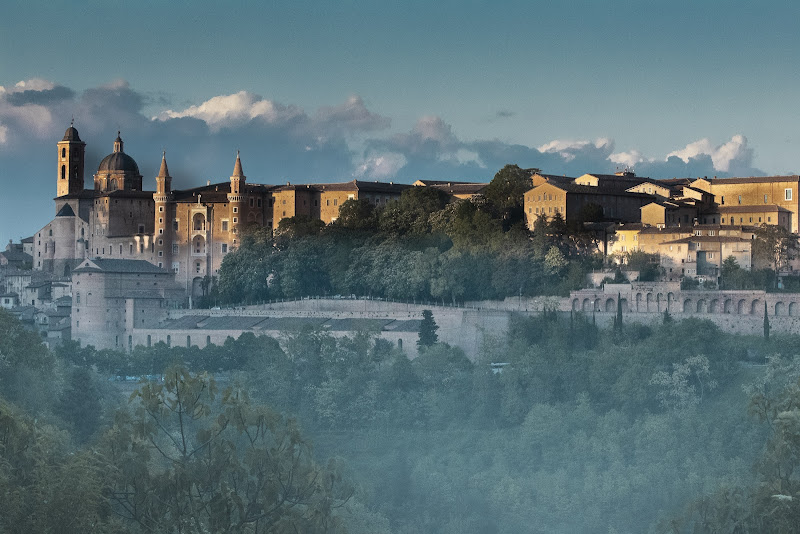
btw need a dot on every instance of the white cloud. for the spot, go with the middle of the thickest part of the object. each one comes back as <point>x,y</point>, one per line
<point>34,84</point>
<point>3,134</point>
<point>723,156</point>
<point>381,166</point>
<point>232,110</point>
<point>629,158</point>
<point>570,150</point>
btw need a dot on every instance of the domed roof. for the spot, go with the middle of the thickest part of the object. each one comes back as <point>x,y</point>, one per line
<point>71,134</point>
<point>118,162</point>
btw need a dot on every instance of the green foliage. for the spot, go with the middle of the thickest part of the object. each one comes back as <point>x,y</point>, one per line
<point>506,191</point>
<point>427,330</point>
<point>190,459</point>
<point>357,214</point>
<point>773,246</point>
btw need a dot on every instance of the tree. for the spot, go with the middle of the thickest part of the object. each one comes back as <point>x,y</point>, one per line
<point>357,214</point>
<point>79,404</point>
<point>506,191</point>
<point>773,247</point>
<point>766,322</point>
<point>191,460</point>
<point>427,330</point>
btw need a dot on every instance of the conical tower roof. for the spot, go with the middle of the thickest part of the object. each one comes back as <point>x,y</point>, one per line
<point>237,168</point>
<point>164,171</point>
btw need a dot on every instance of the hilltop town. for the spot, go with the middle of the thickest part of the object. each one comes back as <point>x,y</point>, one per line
<point>123,264</point>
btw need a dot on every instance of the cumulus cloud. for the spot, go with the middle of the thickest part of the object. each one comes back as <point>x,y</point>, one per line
<point>238,109</point>
<point>352,115</point>
<point>629,159</point>
<point>381,166</point>
<point>732,154</point>
<point>227,111</point>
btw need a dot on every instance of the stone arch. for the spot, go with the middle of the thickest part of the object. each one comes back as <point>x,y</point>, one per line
<point>575,305</point>
<point>198,245</point>
<point>649,302</point>
<point>251,217</point>
<point>701,306</point>
<point>598,305</point>
<point>610,304</point>
<point>624,302</point>
<point>792,309</point>
<point>638,302</point>
<point>780,308</point>
<point>670,300</point>
<point>687,306</point>
<point>587,305</point>
<point>740,307</point>
<point>198,222</point>
<point>713,307</point>
<point>728,306</point>
<point>755,307</point>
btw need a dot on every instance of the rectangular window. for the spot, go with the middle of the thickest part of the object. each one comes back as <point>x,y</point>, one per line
<point>787,194</point>
<point>259,202</point>
<point>160,253</point>
<point>160,242</point>
<point>765,198</point>
<point>141,228</point>
<point>224,226</point>
<point>740,199</point>
<point>161,209</point>
<point>176,266</point>
<point>335,201</point>
<point>160,265</point>
<point>175,249</point>
<point>175,225</point>
<point>235,220</point>
<point>160,220</point>
<point>235,209</point>
<point>327,202</point>
<point>160,231</point>
<point>224,248</point>
<point>252,200</point>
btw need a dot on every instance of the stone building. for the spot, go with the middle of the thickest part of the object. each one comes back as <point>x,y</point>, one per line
<point>112,296</point>
<point>186,231</point>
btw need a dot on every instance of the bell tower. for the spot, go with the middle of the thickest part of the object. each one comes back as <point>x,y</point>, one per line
<point>71,152</point>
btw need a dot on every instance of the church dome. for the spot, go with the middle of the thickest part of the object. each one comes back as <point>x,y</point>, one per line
<point>118,162</point>
<point>71,135</point>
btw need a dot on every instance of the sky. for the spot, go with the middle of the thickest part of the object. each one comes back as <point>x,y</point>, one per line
<point>394,91</point>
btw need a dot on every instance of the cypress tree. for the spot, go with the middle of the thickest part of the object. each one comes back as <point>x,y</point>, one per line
<point>427,330</point>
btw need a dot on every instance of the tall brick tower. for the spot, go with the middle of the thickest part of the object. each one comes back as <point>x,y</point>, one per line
<point>70,163</point>
<point>165,214</point>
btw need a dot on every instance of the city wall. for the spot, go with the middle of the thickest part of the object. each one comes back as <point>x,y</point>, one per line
<point>472,325</point>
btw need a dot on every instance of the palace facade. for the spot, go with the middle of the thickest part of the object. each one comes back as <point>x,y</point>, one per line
<point>188,231</point>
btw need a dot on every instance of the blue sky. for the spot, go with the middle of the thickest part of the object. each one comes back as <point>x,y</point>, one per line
<point>313,91</point>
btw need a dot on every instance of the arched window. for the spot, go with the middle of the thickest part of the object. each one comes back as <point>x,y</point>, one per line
<point>63,152</point>
<point>63,172</point>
